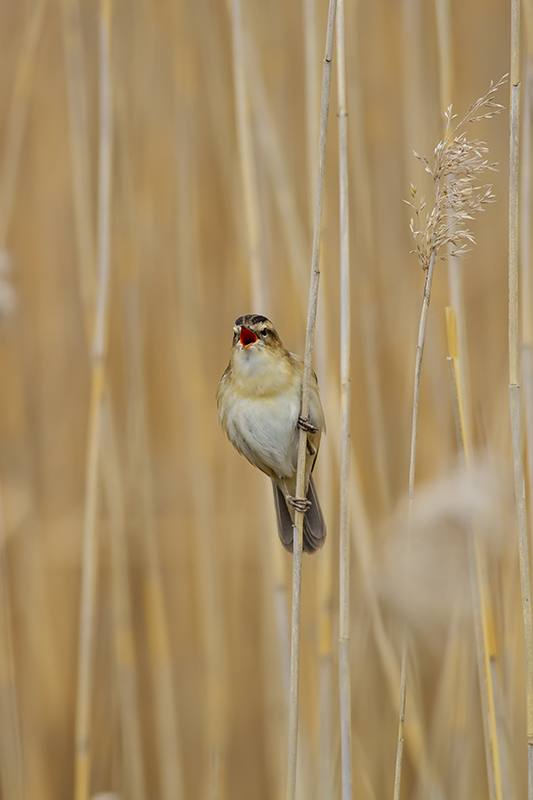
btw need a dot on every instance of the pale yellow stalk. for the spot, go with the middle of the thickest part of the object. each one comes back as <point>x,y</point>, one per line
<point>309,342</point>
<point>344,580</point>
<point>514,379</point>
<point>483,618</point>
<point>99,349</point>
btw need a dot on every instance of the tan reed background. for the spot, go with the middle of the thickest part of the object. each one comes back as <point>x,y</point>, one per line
<point>189,692</point>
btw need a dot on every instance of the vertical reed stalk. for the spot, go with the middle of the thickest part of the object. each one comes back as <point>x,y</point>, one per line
<point>482,613</point>
<point>455,277</point>
<point>197,444</point>
<point>344,577</point>
<point>161,668</point>
<point>159,653</point>
<point>514,385</point>
<point>412,457</point>
<point>17,116</point>
<point>77,108</point>
<point>133,782</point>
<point>99,348</point>
<point>525,270</point>
<point>418,370</point>
<point>324,479</point>
<point>12,779</point>
<point>312,100</point>
<point>309,342</point>
<point>246,159</point>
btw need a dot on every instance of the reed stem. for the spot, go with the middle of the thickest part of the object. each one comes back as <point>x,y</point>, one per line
<point>344,579</point>
<point>514,384</point>
<point>302,444</point>
<point>99,348</point>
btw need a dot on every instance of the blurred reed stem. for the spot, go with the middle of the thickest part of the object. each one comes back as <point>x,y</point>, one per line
<point>17,116</point>
<point>12,780</point>
<point>302,443</point>
<point>12,771</point>
<point>481,606</point>
<point>79,143</point>
<point>526,305</point>
<point>98,357</point>
<point>169,759</point>
<point>324,478</point>
<point>344,557</point>
<point>455,275</point>
<point>514,378</point>
<point>133,780</point>
<point>197,443</point>
<point>246,159</point>
<point>412,458</point>
<point>312,99</point>
<point>139,459</point>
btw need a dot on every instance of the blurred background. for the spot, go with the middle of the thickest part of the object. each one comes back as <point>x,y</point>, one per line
<point>186,583</point>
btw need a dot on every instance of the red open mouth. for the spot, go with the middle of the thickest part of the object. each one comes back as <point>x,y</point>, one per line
<point>247,337</point>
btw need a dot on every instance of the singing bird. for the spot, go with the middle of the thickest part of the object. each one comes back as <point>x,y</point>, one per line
<point>259,399</point>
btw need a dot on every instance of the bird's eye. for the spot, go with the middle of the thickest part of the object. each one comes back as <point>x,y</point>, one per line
<point>264,331</point>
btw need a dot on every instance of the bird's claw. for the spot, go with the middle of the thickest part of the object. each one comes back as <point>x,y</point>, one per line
<point>305,425</point>
<point>300,504</point>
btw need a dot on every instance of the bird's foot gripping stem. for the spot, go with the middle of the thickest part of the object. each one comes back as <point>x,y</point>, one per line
<point>305,425</point>
<point>300,503</point>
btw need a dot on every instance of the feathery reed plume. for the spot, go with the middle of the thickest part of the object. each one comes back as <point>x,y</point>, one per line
<point>514,380</point>
<point>457,167</point>
<point>302,444</point>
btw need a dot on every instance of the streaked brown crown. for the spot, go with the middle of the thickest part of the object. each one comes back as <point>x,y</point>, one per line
<point>261,326</point>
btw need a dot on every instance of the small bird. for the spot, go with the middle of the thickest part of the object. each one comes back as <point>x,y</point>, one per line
<point>259,399</point>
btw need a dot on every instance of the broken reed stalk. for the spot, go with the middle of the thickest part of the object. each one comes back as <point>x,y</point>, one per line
<point>344,576</point>
<point>99,348</point>
<point>302,443</point>
<point>514,380</point>
<point>458,164</point>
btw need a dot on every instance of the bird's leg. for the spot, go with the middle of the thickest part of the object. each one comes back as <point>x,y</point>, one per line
<point>306,426</point>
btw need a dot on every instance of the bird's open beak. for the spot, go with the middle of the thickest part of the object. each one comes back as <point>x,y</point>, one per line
<point>247,337</point>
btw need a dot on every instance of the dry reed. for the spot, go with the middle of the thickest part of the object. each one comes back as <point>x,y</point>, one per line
<point>344,581</point>
<point>514,379</point>
<point>458,165</point>
<point>190,571</point>
<point>99,345</point>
